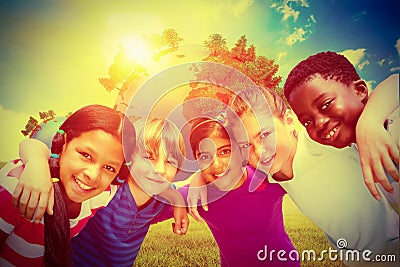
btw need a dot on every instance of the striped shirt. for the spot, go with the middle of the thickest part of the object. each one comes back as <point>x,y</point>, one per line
<point>24,243</point>
<point>113,237</point>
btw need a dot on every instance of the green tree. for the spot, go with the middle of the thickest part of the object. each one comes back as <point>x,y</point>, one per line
<point>122,72</point>
<point>171,38</point>
<point>216,44</point>
<point>261,70</point>
<point>30,126</point>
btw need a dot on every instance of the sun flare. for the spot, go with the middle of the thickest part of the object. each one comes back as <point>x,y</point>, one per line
<point>136,50</point>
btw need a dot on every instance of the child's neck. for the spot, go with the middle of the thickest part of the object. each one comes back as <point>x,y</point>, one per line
<point>286,171</point>
<point>73,208</point>
<point>141,198</point>
<point>242,180</point>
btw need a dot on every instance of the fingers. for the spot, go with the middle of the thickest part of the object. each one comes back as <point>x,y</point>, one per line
<point>31,205</point>
<point>41,208</point>
<point>185,225</point>
<point>369,182</point>
<point>203,199</point>
<point>16,195</point>
<point>391,168</point>
<point>195,214</point>
<point>180,227</point>
<point>176,227</point>
<point>23,202</point>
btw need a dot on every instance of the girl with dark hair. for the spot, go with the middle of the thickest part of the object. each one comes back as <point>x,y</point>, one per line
<point>114,235</point>
<point>240,229</point>
<point>86,156</point>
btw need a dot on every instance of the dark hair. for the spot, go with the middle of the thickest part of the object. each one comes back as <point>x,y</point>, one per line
<point>329,65</point>
<point>204,128</point>
<point>58,250</point>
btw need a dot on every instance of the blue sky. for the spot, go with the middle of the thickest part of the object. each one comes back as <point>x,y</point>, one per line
<point>53,52</point>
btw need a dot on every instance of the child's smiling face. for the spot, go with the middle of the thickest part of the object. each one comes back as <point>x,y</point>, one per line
<point>329,109</point>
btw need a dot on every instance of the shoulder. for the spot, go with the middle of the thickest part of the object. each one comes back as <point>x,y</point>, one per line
<point>312,157</point>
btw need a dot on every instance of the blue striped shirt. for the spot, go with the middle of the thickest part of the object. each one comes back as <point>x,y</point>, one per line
<point>114,235</point>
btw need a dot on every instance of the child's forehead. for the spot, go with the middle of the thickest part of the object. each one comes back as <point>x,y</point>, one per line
<point>318,85</point>
<point>154,150</point>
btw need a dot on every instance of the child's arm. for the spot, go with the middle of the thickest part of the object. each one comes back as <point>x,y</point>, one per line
<point>34,188</point>
<point>180,215</point>
<point>376,148</point>
<point>197,190</point>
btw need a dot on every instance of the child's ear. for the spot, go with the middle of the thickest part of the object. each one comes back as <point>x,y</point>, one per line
<point>289,117</point>
<point>361,90</point>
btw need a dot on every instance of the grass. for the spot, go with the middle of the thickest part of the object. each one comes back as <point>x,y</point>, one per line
<point>198,247</point>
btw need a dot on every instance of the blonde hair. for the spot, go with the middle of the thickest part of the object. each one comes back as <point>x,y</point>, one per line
<point>257,100</point>
<point>154,132</point>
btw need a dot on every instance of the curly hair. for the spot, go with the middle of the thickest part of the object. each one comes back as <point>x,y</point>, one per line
<point>329,65</point>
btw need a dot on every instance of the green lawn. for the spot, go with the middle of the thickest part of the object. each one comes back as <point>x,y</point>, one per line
<point>198,248</point>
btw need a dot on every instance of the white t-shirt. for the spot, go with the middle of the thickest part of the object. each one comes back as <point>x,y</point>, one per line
<point>328,187</point>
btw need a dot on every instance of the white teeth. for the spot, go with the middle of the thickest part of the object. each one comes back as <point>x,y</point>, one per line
<point>331,133</point>
<point>265,161</point>
<point>82,185</point>
<point>220,175</point>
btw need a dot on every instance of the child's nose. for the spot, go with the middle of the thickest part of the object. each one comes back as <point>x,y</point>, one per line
<point>92,172</point>
<point>321,122</point>
<point>159,167</point>
<point>219,164</point>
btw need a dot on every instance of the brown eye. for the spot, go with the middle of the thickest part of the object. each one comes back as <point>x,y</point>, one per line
<point>225,152</point>
<point>326,105</point>
<point>110,169</point>
<point>306,123</point>
<point>86,155</point>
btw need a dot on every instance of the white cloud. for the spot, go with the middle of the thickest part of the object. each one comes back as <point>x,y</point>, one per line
<point>288,12</point>
<point>240,6</point>
<point>380,62</point>
<point>281,55</point>
<point>395,69</point>
<point>362,64</point>
<point>11,123</point>
<point>355,56</point>
<point>370,85</point>
<point>285,8</point>
<point>312,19</point>
<point>398,46</point>
<point>297,36</point>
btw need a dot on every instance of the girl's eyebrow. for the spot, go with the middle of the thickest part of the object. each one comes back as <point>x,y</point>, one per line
<point>319,97</point>
<point>200,153</point>
<point>94,154</point>
<point>224,146</point>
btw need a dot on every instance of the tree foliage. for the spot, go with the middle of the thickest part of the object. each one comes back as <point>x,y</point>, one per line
<point>33,123</point>
<point>123,71</point>
<point>260,69</point>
